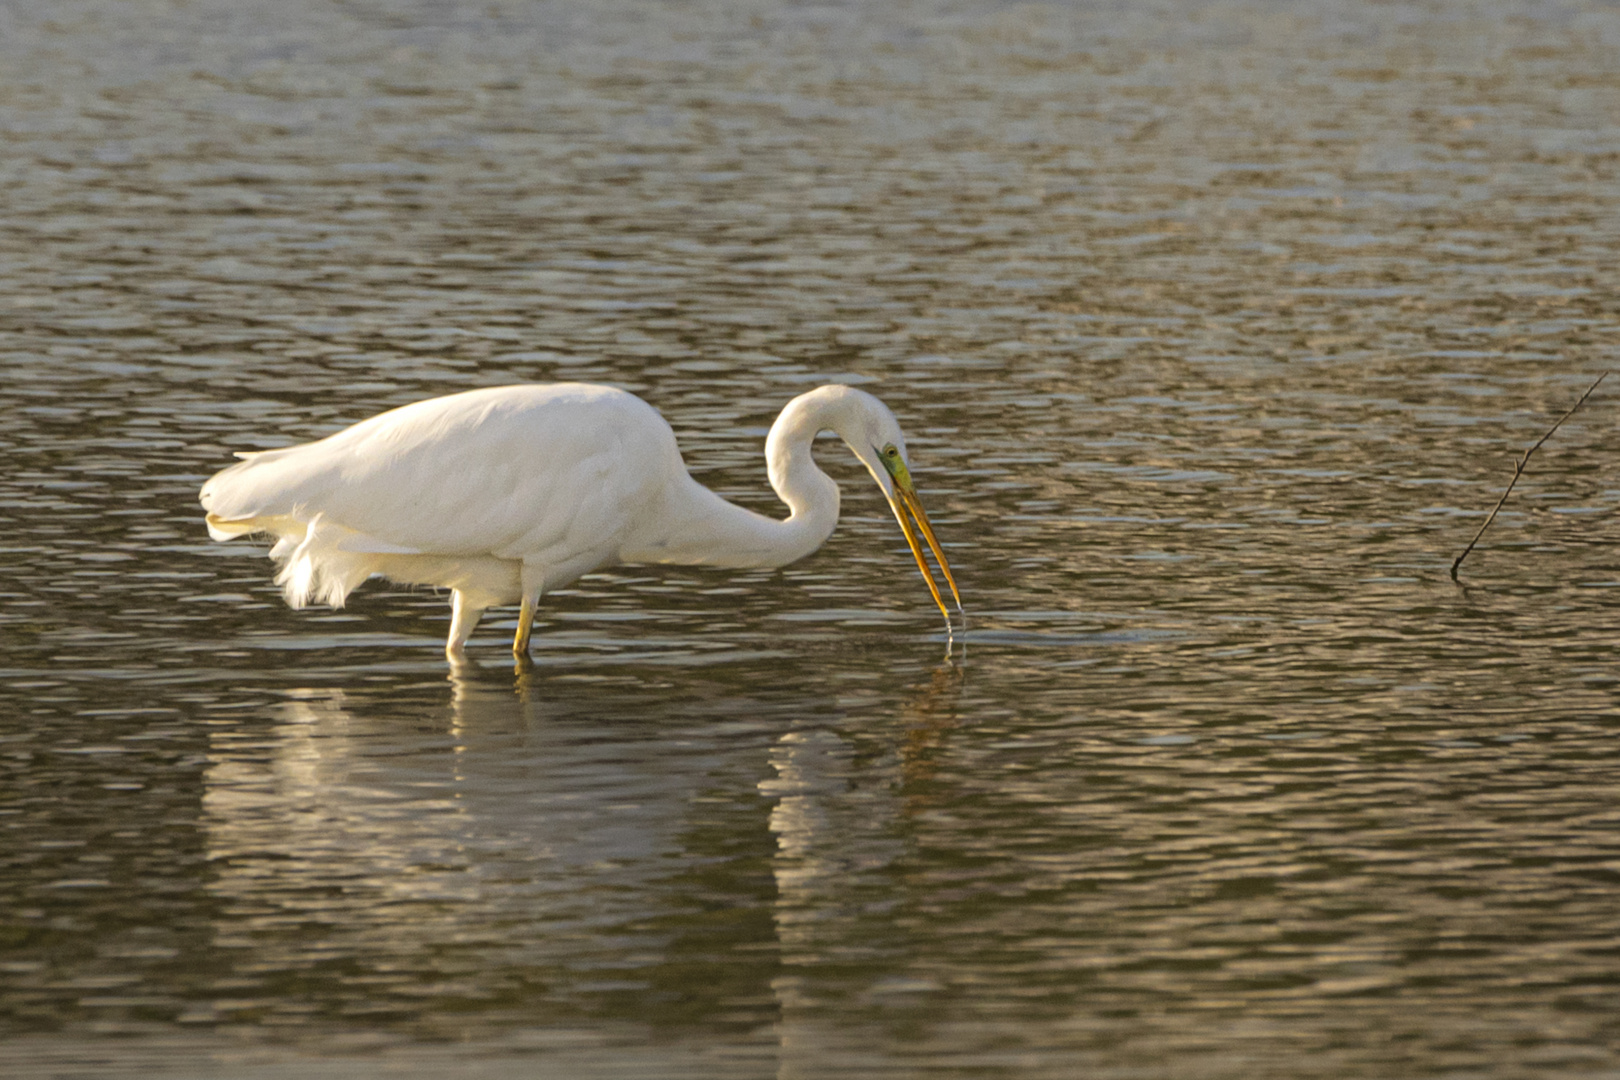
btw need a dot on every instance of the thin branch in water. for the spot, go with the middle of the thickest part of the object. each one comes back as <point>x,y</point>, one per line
<point>1518,471</point>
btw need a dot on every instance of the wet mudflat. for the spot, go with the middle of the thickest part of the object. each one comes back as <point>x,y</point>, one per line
<point>1214,328</point>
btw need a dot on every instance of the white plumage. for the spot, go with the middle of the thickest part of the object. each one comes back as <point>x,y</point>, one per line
<point>505,493</point>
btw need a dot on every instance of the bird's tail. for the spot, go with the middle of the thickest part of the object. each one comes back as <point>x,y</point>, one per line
<point>320,561</point>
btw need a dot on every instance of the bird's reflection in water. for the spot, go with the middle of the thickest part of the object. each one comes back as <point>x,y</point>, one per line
<point>841,823</point>
<point>549,841</point>
<point>469,845</point>
<point>929,714</point>
<point>477,688</point>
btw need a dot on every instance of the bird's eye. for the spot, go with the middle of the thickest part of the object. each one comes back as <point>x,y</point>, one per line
<point>890,451</point>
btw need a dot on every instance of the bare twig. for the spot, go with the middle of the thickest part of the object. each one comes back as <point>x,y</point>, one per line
<point>1518,471</point>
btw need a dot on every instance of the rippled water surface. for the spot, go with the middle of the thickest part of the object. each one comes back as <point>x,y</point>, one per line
<point>1215,329</point>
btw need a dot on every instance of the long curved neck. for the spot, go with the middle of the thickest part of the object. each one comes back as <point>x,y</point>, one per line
<point>698,527</point>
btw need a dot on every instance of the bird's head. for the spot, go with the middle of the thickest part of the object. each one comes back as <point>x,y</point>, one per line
<point>874,434</point>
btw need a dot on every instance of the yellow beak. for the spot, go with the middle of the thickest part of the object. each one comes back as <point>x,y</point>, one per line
<point>904,502</point>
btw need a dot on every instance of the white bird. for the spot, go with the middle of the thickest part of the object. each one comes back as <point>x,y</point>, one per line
<point>504,494</point>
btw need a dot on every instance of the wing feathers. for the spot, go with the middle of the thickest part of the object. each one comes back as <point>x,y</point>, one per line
<point>551,473</point>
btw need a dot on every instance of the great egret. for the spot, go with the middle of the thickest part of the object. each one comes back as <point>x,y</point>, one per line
<point>505,493</point>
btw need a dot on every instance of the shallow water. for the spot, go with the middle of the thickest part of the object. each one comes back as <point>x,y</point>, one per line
<point>1215,329</point>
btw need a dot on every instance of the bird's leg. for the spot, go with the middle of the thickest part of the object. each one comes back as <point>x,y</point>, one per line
<point>533,579</point>
<point>463,617</point>
<point>520,642</point>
